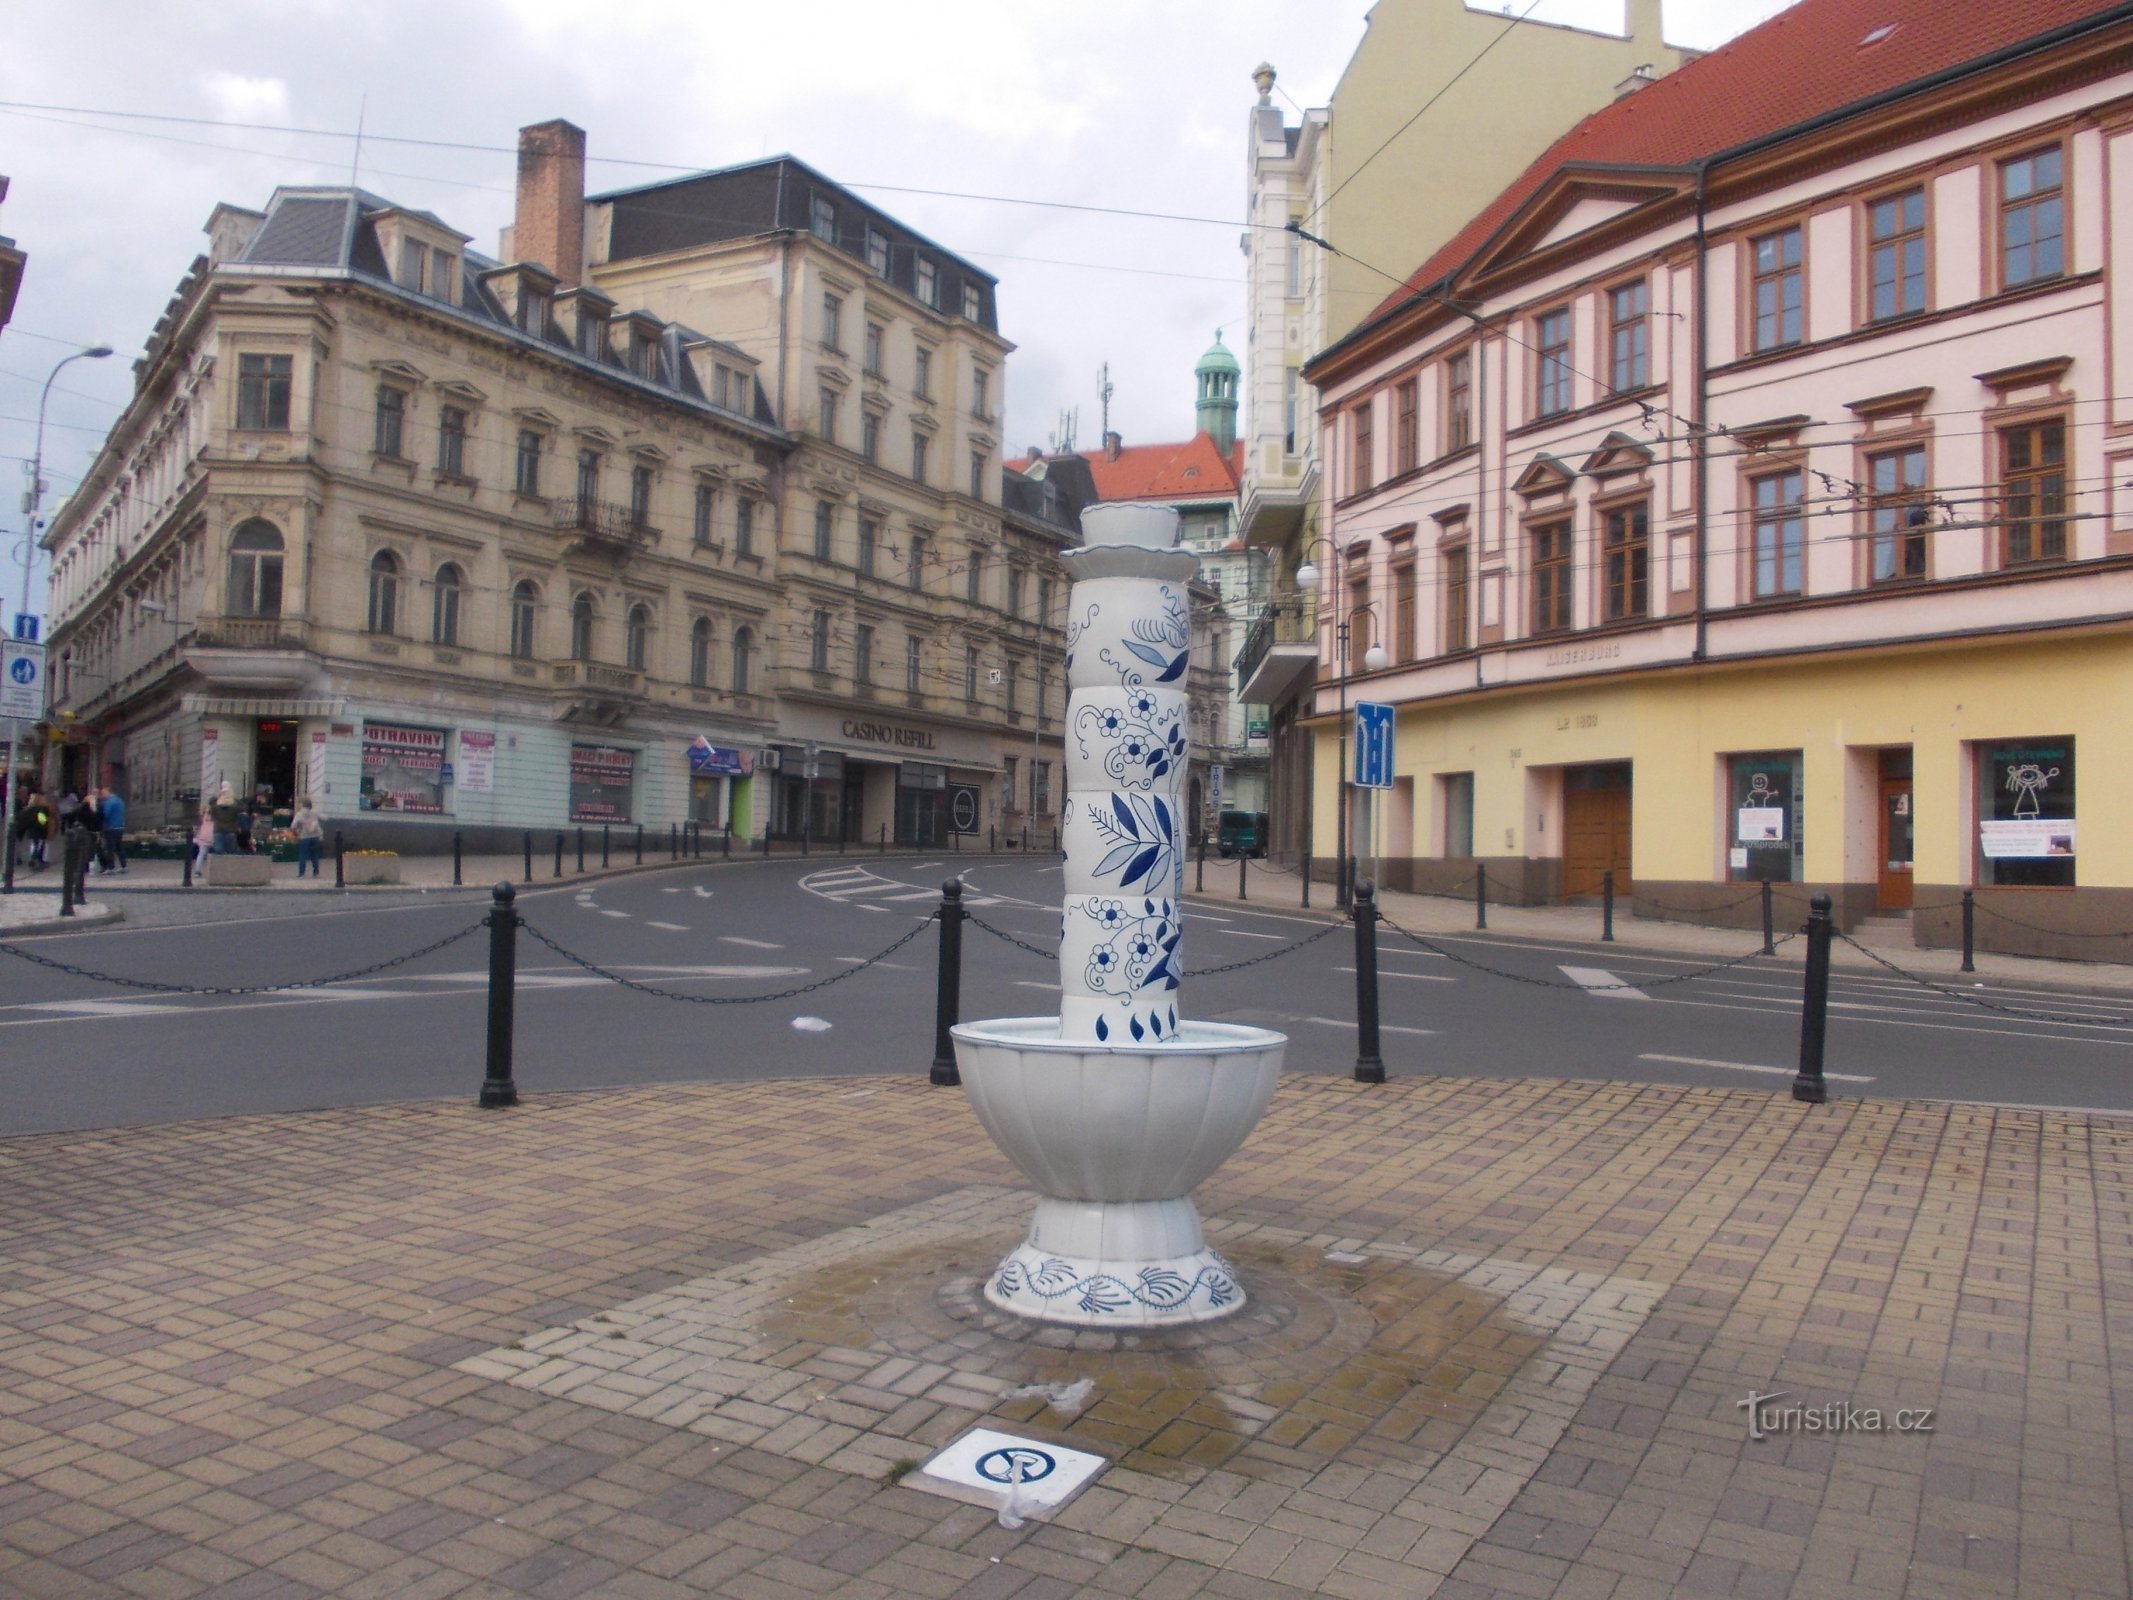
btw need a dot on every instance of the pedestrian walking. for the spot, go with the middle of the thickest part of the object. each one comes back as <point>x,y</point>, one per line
<point>37,824</point>
<point>204,836</point>
<point>310,836</point>
<point>114,814</point>
<point>222,812</point>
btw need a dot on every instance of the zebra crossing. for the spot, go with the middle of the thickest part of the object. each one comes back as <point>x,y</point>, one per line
<point>860,886</point>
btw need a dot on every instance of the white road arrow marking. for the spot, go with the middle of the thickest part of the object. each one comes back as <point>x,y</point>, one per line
<point>1597,980</point>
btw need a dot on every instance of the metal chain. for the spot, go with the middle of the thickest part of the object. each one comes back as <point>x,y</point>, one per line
<point>977,921</point>
<point>1982,1004</point>
<point>724,999</point>
<point>2055,933</point>
<point>1202,972</point>
<point>1589,988</point>
<point>227,989</point>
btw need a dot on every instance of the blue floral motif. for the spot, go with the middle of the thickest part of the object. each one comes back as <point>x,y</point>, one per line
<point>1143,745</point>
<point>1160,647</point>
<point>1139,952</point>
<point>1107,1294</point>
<point>1143,839</point>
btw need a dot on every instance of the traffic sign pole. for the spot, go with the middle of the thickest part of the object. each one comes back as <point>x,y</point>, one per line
<point>21,702</point>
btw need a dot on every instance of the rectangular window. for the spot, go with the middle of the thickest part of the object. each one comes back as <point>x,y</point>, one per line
<point>914,657</point>
<point>822,219</point>
<point>922,373</point>
<point>863,653</point>
<point>919,444</point>
<point>1010,783</point>
<point>915,573</point>
<point>2032,219</point>
<point>2033,493</point>
<point>741,392</point>
<point>444,276</point>
<point>1897,514</point>
<point>527,478</point>
<point>1406,443</point>
<point>1779,289</point>
<point>825,528</point>
<point>1040,783</point>
<point>2025,811</point>
<point>602,780</point>
<point>592,334</point>
<point>970,675</point>
<point>876,337</point>
<point>973,303</point>
<point>1403,613</point>
<point>1780,538</point>
<point>1459,401</point>
<point>1456,792</point>
<point>1627,554</point>
<point>707,502</point>
<point>414,261</point>
<point>826,414</point>
<point>832,321</point>
<point>877,253</point>
<point>744,526</point>
<point>452,441</point>
<point>1013,692</point>
<point>1551,339</point>
<point>1360,433</point>
<point>588,477</point>
<point>973,576</point>
<point>1291,408</point>
<point>869,537</point>
<point>1294,277</point>
<point>870,436</point>
<point>1551,577</point>
<point>1628,337</point>
<point>389,433</point>
<point>927,278</point>
<point>533,312</point>
<point>640,497</point>
<point>1896,255</point>
<point>644,356</point>
<point>978,459</point>
<point>1458,599</point>
<point>1014,591</point>
<point>1767,812</point>
<point>981,394</point>
<point>818,641</point>
<point>1044,600</point>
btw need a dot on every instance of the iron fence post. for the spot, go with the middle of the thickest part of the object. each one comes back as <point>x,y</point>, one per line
<point>529,857</point>
<point>725,842</point>
<point>1481,895</point>
<point>1607,907</point>
<point>1199,868</point>
<point>458,857</point>
<point>497,1087</point>
<point>1969,930</point>
<point>559,855</point>
<point>340,860</point>
<point>1809,1085</point>
<point>1369,1064</point>
<point>1307,879</point>
<point>948,990</point>
<point>1769,934</point>
<point>1243,858</point>
<point>66,872</point>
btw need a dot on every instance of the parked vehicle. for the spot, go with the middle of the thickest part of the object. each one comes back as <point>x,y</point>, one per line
<point>1241,833</point>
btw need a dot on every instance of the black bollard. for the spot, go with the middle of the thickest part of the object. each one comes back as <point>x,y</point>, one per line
<point>1481,895</point>
<point>559,855</point>
<point>1810,1085</point>
<point>581,849</point>
<point>82,858</point>
<point>1306,861</point>
<point>1607,907</point>
<point>640,844</point>
<point>1055,839</point>
<point>805,830</point>
<point>1969,930</point>
<point>458,856</point>
<point>529,858</point>
<point>955,841</point>
<point>884,849</point>
<point>948,990</point>
<point>1369,1065</point>
<point>725,841</point>
<point>340,860</point>
<point>497,1088</point>
<point>843,833</point>
<point>1769,934</point>
<point>1199,868</point>
<point>603,847</point>
<point>1243,856</point>
<point>7,869</point>
<point>67,837</point>
<point>992,843</point>
<point>188,868</point>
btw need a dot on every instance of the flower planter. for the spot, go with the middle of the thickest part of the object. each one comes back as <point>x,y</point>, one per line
<point>362,871</point>
<point>239,872</point>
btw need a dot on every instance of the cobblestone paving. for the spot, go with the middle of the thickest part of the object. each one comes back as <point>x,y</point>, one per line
<point>275,1355</point>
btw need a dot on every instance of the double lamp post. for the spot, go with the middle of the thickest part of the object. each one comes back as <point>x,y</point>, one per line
<point>1375,659</point>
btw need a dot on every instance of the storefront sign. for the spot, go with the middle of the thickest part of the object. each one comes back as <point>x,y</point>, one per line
<point>708,759</point>
<point>602,780</point>
<point>403,769</point>
<point>2026,838</point>
<point>887,733</point>
<point>477,762</point>
<point>965,805</point>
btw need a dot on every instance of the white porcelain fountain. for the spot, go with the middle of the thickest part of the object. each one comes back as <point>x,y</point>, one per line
<point>1115,1109</point>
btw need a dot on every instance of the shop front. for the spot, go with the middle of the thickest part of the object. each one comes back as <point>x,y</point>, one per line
<point>718,779</point>
<point>867,776</point>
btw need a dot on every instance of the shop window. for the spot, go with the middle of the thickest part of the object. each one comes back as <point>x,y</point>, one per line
<point>403,769</point>
<point>700,653</point>
<point>263,392</point>
<point>602,781</point>
<point>384,592</point>
<point>1897,514</point>
<point>743,650</point>
<point>525,607</point>
<point>637,634</point>
<point>444,605</point>
<point>2033,493</point>
<point>254,588</point>
<point>1627,546</point>
<point>1780,534</point>
<point>1455,800</point>
<point>1766,813</point>
<point>2025,810</point>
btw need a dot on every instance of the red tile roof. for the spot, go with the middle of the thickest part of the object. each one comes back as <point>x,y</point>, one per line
<point>1191,470</point>
<point>1802,64</point>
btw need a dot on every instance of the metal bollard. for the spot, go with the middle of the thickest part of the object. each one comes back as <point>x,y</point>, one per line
<point>581,849</point>
<point>884,846</point>
<point>187,881</point>
<point>805,830</point>
<point>725,842</point>
<point>1243,856</point>
<point>559,855</point>
<point>1055,839</point>
<point>1769,940</point>
<point>1969,931</point>
<point>66,872</point>
<point>7,869</point>
<point>955,843</point>
<point>673,841</point>
<point>1607,907</point>
<point>1481,895</point>
<point>340,860</point>
<point>497,1088</point>
<point>992,842</point>
<point>948,989</point>
<point>1369,1065</point>
<point>843,834</point>
<point>1809,1085</point>
<point>529,858</point>
<point>640,844</point>
<point>1306,864</point>
<point>1199,868</point>
<point>603,847</point>
<point>458,856</point>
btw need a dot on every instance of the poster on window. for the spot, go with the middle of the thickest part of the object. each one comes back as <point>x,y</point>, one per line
<point>1760,824</point>
<point>316,771</point>
<point>2025,828</point>
<point>2026,840</point>
<point>477,762</point>
<point>403,769</point>
<point>601,781</point>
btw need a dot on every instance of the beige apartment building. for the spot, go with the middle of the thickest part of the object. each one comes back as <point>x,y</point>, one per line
<point>456,545</point>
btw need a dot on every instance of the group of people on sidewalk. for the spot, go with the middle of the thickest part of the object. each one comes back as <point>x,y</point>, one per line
<point>100,815</point>
<point>229,828</point>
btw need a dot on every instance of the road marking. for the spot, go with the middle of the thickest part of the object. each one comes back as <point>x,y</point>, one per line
<point>1032,983</point>
<point>1246,933</point>
<point>1383,1027</point>
<point>671,889</point>
<point>860,961</point>
<point>1411,977</point>
<point>97,1008</point>
<point>605,912</point>
<point>700,891</point>
<point>752,944</point>
<point>671,927</point>
<point>1599,981</point>
<point>1747,1066</point>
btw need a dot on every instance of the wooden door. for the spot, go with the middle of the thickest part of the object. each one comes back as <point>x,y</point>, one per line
<point>1894,887</point>
<point>1595,840</point>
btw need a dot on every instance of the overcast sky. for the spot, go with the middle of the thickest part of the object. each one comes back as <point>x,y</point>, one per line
<point>1136,104</point>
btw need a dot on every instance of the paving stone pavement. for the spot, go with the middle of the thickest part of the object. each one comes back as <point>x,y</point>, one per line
<point>688,1340</point>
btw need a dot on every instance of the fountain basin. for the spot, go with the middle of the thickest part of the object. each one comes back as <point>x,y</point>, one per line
<point>1115,1138</point>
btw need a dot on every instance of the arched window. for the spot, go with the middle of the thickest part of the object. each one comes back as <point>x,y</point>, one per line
<point>525,606</point>
<point>636,636</point>
<point>444,605</point>
<point>700,653</point>
<point>254,588</point>
<point>581,628</point>
<point>743,648</point>
<point>384,592</point>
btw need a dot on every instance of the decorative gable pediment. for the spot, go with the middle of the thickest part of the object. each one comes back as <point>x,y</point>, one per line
<point>1573,202</point>
<point>1618,453</point>
<point>1545,474</point>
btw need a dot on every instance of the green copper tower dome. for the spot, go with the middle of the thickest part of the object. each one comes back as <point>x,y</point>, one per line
<point>1217,375</point>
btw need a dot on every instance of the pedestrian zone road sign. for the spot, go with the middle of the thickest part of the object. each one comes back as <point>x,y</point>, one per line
<point>1373,746</point>
<point>21,680</point>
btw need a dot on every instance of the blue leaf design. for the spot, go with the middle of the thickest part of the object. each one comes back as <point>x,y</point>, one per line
<point>1103,1030</point>
<point>1124,813</point>
<point>1142,864</point>
<point>1116,858</point>
<point>1175,670</point>
<point>1148,653</point>
<point>1138,1031</point>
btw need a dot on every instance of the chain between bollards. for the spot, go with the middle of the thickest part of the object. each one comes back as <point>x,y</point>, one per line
<point>1969,931</point>
<point>1607,907</point>
<point>1769,933</point>
<point>948,988</point>
<point>1369,1064</point>
<point>497,1086</point>
<point>1809,1085</point>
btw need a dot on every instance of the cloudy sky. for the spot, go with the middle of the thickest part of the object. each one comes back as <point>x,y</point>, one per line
<point>1133,104</point>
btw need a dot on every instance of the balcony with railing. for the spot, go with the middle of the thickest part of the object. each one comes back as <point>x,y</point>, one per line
<point>1279,652</point>
<point>603,527</point>
<point>255,652</point>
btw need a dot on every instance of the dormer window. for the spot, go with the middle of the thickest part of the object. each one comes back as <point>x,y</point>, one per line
<point>973,303</point>
<point>592,334</point>
<point>929,282</point>
<point>822,220</point>
<point>428,269</point>
<point>533,312</point>
<point>877,253</point>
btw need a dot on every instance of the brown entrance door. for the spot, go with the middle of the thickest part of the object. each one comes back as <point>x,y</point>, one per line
<point>1595,829</point>
<point>1895,877</point>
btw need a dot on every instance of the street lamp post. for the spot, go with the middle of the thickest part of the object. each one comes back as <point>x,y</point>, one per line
<point>32,499</point>
<point>1374,660</point>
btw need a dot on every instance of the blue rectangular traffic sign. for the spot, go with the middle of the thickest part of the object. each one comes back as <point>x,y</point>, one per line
<point>1373,746</point>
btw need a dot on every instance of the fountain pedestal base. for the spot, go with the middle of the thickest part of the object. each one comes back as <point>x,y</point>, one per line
<point>1098,1264</point>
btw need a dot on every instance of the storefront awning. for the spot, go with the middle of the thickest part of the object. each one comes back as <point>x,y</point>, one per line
<point>217,706</point>
<point>706,757</point>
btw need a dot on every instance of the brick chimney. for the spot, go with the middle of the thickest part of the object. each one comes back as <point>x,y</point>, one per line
<point>1113,445</point>
<point>549,227</point>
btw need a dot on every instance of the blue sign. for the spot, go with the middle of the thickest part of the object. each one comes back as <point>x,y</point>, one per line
<point>444,773</point>
<point>25,626</point>
<point>22,669</point>
<point>706,757</point>
<point>1373,746</point>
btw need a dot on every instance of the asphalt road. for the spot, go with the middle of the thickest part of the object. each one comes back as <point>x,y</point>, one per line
<point>79,1053</point>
